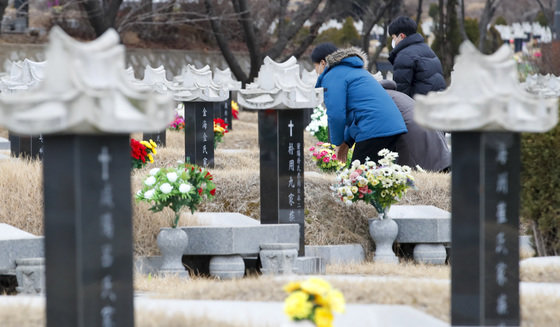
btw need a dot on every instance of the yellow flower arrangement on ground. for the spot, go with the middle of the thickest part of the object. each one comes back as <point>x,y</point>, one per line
<point>151,146</point>
<point>313,300</point>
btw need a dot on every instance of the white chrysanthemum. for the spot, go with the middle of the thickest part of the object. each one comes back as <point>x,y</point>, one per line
<point>185,188</point>
<point>172,177</point>
<point>154,171</point>
<point>166,188</point>
<point>355,163</point>
<point>139,193</point>
<point>406,169</point>
<point>149,194</point>
<point>150,181</point>
<point>383,152</point>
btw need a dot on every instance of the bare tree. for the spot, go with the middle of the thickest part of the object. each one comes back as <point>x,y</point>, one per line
<point>372,14</point>
<point>487,15</point>
<point>260,45</point>
<point>419,12</point>
<point>3,5</point>
<point>101,14</point>
<point>547,8</point>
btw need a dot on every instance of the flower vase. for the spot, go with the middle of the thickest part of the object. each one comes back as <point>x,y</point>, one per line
<point>383,231</point>
<point>172,243</point>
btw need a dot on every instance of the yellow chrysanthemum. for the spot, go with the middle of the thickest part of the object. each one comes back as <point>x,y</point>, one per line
<point>154,145</point>
<point>150,158</point>
<point>316,286</point>
<point>323,317</point>
<point>146,144</point>
<point>297,305</point>
<point>234,105</point>
<point>292,286</point>
<point>336,301</point>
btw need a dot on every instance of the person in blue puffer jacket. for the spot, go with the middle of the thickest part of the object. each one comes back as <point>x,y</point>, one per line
<point>358,108</point>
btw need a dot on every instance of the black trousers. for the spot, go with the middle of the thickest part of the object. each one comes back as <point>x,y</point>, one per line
<point>370,148</point>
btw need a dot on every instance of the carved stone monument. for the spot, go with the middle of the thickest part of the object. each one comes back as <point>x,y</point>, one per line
<point>485,108</point>
<point>87,106</point>
<point>280,96</point>
<point>200,95</point>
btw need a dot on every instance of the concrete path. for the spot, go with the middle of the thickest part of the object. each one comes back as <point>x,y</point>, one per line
<point>264,314</point>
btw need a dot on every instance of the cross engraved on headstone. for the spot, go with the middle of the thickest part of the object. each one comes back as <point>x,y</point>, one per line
<point>291,126</point>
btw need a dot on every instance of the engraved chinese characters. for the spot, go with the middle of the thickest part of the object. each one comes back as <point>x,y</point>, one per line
<point>199,133</point>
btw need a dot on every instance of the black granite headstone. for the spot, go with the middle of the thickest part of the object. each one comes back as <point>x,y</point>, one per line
<point>485,222</point>
<point>281,168</point>
<point>199,133</point>
<point>158,138</point>
<point>27,146</point>
<point>88,231</point>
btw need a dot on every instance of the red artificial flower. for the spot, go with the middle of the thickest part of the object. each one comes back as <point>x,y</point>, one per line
<point>208,175</point>
<point>213,192</point>
<point>200,191</point>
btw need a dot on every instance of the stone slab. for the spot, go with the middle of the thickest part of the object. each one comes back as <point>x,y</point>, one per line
<point>542,262</point>
<point>310,266</point>
<point>4,144</point>
<point>337,254</point>
<point>252,313</point>
<point>17,244</point>
<point>225,219</point>
<point>217,240</point>
<point>9,232</point>
<point>421,224</point>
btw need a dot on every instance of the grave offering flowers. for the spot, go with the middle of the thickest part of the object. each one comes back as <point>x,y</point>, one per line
<point>142,152</point>
<point>318,126</point>
<point>178,123</point>
<point>186,185</point>
<point>314,300</point>
<point>381,184</point>
<point>220,129</point>
<point>323,155</point>
<point>234,109</point>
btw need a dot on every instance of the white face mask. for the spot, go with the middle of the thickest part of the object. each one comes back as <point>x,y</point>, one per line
<point>393,43</point>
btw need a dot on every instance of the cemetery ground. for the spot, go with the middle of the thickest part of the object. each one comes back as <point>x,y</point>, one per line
<point>328,221</point>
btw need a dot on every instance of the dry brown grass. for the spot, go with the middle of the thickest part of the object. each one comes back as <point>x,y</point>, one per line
<point>28,316</point>
<point>541,274</point>
<point>236,174</point>
<point>404,269</point>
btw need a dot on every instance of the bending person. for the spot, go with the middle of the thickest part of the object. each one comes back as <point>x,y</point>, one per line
<point>425,148</point>
<point>358,108</point>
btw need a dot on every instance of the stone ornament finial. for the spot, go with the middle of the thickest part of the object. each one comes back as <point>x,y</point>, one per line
<point>485,95</point>
<point>224,80</point>
<point>197,85</point>
<point>22,75</point>
<point>85,90</point>
<point>543,85</point>
<point>280,86</point>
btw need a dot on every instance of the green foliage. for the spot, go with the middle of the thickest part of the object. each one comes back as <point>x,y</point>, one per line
<point>493,40</point>
<point>346,36</point>
<point>434,12</point>
<point>184,186</point>
<point>541,19</point>
<point>540,180</point>
<point>471,28</point>
<point>501,21</point>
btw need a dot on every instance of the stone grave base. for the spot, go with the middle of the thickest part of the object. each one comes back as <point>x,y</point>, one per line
<point>337,254</point>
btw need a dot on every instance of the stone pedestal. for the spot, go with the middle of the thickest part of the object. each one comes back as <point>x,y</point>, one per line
<point>281,168</point>
<point>30,274</point>
<point>278,258</point>
<point>227,267</point>
<point>199,133</point>
<point>88,231</point>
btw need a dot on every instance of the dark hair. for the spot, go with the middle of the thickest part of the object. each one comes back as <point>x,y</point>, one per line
<point>402,24</point>
<point>322,51</point>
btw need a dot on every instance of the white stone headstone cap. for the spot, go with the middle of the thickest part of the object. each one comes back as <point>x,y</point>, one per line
<point>224,79</point>
<point>86,90</point>
<point>485,95</point>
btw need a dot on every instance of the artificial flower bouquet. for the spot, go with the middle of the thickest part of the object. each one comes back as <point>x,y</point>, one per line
<point>313,300</point>
<point>381,184</point>
<point>325,158</point>
<point>220,129</point>
<point>142,152</point>
<point>176,187</point>
<point>318,126</point>
<point>234,109</point>
<point>178,123</point>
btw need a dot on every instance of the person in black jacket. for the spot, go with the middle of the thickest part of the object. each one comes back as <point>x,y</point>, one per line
<point>416,68</point>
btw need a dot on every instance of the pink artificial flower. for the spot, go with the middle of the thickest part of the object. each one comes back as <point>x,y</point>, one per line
<point>334,156</point>
<point>315,154</point>
<point>538,54</point>
<point>312,148</point>
<point>319,143</point>
<point>326,159</point>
